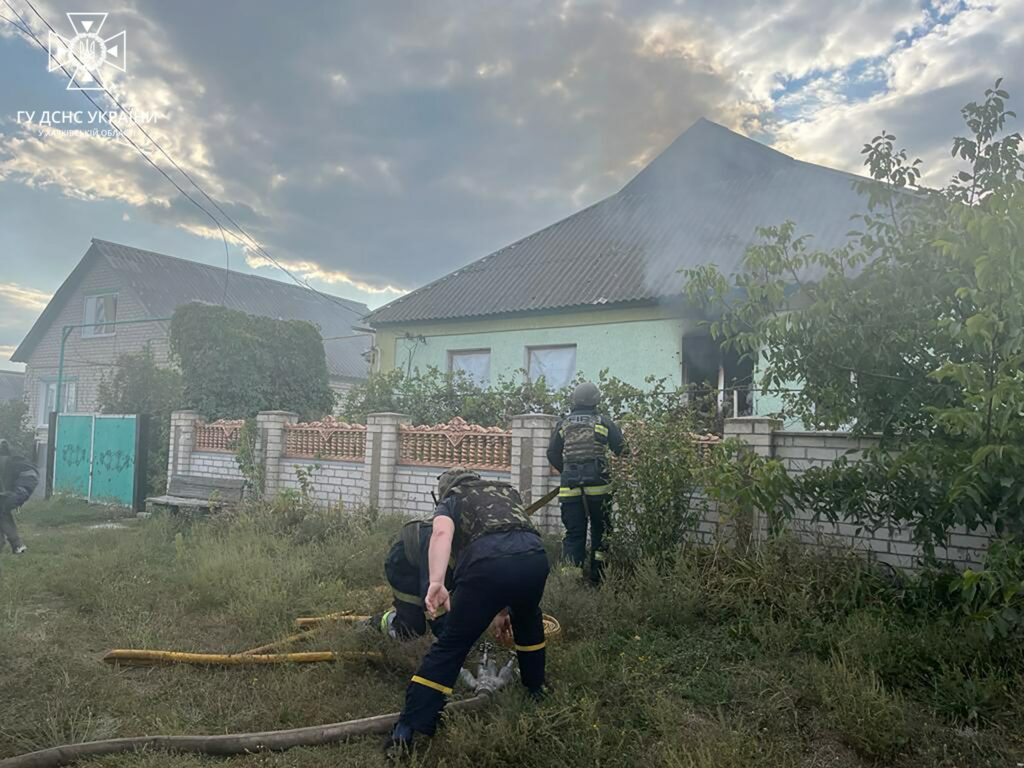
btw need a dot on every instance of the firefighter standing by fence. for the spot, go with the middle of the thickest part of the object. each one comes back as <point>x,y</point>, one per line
<point>407,572</point>
<point>578,449</point>
<point>500,572</point>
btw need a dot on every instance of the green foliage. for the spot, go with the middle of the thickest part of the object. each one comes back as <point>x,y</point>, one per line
<point>15,429</point>
<point>745,486</point>
<point>656,485</point>
<point>139,385</point>
<point>248,458</point>
<point>235,365</point>
<point>436,397</point>
<point>914,331</point>
<point>994,596</point>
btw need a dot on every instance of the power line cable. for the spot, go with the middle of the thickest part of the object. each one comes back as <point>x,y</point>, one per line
<point>258,246</point>
<point>117,128</point>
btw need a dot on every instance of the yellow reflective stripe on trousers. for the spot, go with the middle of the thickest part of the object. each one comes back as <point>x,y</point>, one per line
<point>529,648</point>
<point>405,597</point>
<point>431,684</point>
<point>597,490</point>
<point>568,492</point>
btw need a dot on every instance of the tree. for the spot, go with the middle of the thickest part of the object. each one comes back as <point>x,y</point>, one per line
<point>14,427</point>
<point>913,331</point>
<point>235,365</point>
<point>139,385</point>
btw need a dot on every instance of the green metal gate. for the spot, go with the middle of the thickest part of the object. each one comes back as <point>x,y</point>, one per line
<point>97,457</point>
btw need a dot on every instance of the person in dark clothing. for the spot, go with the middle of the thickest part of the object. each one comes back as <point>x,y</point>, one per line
<point>408,575</point>
<point>578,449</point>
<point>18,479</point>
<point>500,572</point>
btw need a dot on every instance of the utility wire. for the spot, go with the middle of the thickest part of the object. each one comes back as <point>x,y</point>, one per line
<point>117,128</point>
<point>258,246</point>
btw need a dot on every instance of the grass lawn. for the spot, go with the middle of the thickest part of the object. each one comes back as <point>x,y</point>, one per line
<point>784,659</point>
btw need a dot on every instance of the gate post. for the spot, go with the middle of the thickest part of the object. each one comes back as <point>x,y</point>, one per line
<point>183,439</point>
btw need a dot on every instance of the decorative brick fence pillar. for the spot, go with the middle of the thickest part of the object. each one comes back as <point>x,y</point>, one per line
<point>531,473</point>
<point>183,440</point>
<point>270,427</point>
<point>381,457</point>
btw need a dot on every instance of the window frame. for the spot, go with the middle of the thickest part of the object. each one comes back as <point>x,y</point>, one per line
<point>48,383</point>
<point>530,348</point>
<point>452,353</point>
<point>93,331</point>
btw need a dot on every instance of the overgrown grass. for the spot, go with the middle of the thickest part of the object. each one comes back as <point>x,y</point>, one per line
<point>781,658</point>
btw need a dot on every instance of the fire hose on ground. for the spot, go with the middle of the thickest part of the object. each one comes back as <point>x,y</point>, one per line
<point>486,683</point>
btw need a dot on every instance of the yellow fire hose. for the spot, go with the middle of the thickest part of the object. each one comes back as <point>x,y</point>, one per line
<point>308,622</point>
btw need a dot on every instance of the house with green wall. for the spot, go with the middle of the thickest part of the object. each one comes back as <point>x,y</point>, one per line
<point>602,289</point>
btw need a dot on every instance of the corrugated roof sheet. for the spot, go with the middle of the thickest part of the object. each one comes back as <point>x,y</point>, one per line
<point>698,202</point>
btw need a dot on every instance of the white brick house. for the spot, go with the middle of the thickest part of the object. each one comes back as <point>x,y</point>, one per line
<point>115,283</point>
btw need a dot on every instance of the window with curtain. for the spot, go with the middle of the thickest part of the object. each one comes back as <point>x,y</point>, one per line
<point>475,363</point>
<point>556,364</point>
<point>100,309</point>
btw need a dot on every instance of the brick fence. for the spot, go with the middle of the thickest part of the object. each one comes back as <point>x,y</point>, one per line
<point>394,466</point>
<point>799,451</point>
<point>387,462</point>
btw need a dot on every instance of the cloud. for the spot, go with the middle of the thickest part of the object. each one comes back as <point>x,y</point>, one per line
<point>309,270</point>
<point>382,149</point>
<point>24,297</point>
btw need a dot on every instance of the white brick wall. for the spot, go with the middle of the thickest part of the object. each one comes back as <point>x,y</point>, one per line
<point>799,451</point>
<point>214,464</point>
<point>86,360</point>
<point>414,484</point>
<point>333,482</point>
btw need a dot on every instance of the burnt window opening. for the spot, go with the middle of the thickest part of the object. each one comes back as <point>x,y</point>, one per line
<point>721,378</point>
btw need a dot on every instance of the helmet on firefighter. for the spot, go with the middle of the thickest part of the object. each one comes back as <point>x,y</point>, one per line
<point>586,395</point>
<point>452,477</point>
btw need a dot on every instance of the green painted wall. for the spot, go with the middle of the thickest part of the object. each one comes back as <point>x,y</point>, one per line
<point>629,350</point>
<point>632,343</point>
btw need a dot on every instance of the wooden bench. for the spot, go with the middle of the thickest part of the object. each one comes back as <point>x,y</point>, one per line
<point>194,491</point>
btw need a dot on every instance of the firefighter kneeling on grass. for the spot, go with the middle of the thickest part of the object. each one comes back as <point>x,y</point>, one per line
<point>407,572</point>
<point>578,449</point>
<point>500,572</point>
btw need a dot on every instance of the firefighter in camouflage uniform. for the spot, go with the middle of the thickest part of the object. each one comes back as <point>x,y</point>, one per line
<point>500,572</point>
<point>578,449</point>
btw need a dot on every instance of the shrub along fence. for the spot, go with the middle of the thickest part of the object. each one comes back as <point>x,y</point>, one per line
<point>393,465</point>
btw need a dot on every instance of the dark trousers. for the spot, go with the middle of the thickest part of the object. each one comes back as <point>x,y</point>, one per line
<point>8,529</point>
<point>576,510</point>
<point>488,586</point>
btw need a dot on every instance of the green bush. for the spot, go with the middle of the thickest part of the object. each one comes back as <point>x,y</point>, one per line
<point>235,365</point>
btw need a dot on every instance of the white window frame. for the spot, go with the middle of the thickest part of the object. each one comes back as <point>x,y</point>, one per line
<point>453,353</point>
<point>92,331</point>
<point>547,347</point>
<point>68,401</point>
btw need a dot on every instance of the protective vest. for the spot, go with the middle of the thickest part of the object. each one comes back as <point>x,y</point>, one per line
<point>410,538</point>
<point>5,463</point>
<point>485,507</point>
<point>584,452</point>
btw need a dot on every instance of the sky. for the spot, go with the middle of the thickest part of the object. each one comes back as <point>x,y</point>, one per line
<point>373,147</point>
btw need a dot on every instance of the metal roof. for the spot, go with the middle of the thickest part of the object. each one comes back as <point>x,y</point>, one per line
<point>699,202</point>
<point>163,283</point>
<point>12,385</point>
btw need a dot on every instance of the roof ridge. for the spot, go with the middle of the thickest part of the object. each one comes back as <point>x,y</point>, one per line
<point>359,306</point>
